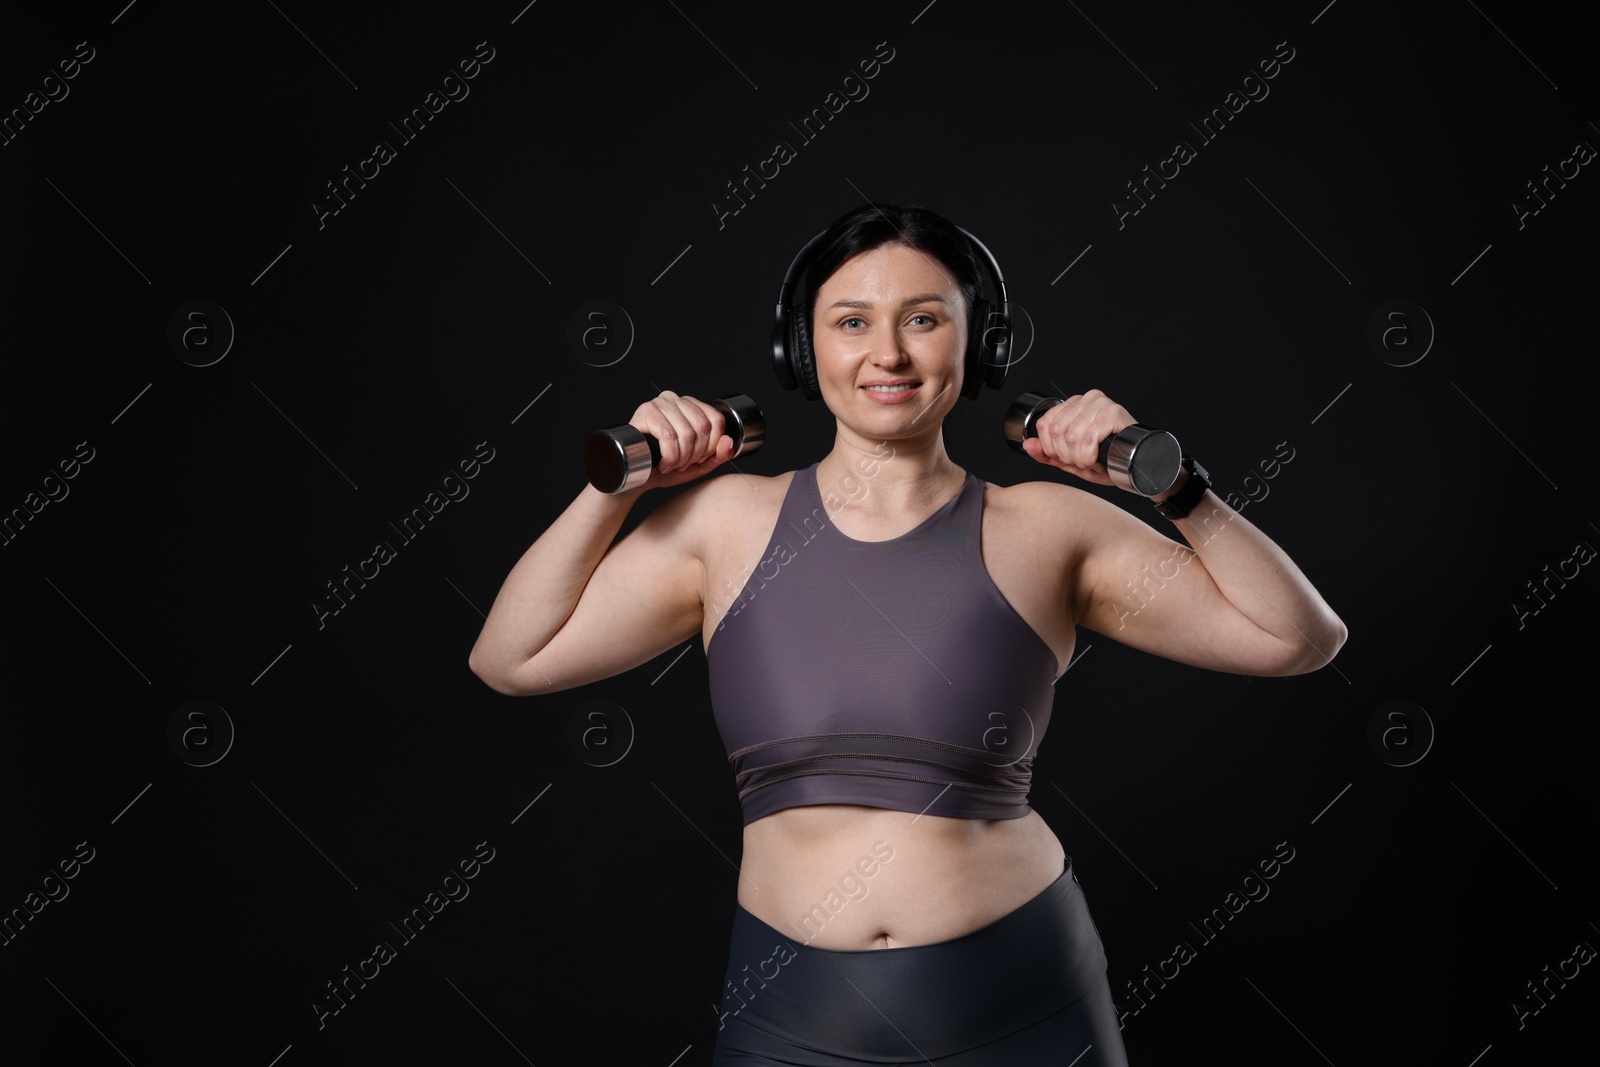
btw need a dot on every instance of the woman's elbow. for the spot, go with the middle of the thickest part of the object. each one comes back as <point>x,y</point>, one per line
<point>1316,653</point>
<point>496,677</point>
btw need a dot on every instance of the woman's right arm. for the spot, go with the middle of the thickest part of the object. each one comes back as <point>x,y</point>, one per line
<point>576,608</point>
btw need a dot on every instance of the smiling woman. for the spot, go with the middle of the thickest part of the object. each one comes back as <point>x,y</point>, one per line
<point>858,695</point>
<point>900,652</point>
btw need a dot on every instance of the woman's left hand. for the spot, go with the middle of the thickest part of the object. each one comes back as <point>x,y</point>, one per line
<point>1070,434</point>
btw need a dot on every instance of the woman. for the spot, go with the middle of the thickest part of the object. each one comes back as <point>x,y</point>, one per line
<point>883,631</point>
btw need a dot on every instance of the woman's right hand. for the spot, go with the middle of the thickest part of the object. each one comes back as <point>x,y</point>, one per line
<point>577,607</point>
<point>689,434</point>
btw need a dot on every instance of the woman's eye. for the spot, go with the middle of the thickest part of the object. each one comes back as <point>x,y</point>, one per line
<point>852,319</point>
<point>926,318</point>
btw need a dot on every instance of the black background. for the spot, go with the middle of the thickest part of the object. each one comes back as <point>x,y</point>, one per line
<point>375,351</point>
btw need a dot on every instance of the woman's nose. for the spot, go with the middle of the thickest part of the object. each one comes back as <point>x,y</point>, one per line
<point>887,351</point>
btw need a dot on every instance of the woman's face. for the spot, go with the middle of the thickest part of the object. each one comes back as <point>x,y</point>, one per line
<point>891,315</point>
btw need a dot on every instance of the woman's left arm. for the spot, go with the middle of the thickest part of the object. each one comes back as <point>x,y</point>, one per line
<point>1234,601</point>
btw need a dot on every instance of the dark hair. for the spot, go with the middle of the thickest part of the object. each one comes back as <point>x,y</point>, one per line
<point>874,225</point>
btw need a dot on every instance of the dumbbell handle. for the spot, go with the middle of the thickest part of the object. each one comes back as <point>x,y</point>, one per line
<point>1138,458</point>
<point>621,458</point>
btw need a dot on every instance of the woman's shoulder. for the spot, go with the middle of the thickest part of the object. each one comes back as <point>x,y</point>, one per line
<point>1081,521</point>
<point>1050,512</point>
<point>727,514</point>
<point>732,497</point>
<point>1035,497</point>
<point>732,482</point>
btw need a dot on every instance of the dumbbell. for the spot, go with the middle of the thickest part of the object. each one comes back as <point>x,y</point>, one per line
<point>1138,458</point>
<point>621,458</point>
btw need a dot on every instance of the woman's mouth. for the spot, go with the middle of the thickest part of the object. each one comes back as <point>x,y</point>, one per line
<point>891,394</point>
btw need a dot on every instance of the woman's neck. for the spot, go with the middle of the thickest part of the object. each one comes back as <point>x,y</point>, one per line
<point>886,481</point>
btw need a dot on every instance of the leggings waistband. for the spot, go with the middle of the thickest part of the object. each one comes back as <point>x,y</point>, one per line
<point>878,1005</point>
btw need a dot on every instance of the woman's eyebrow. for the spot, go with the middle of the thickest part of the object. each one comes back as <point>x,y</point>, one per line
<point>921,298</point>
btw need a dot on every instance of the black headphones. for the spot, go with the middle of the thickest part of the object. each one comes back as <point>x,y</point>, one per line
<point>988,331</point>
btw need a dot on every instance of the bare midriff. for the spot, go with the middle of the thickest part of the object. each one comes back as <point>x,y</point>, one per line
<point>844,877</point>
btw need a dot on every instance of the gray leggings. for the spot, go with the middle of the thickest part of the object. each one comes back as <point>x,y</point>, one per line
<point>1028,989</point>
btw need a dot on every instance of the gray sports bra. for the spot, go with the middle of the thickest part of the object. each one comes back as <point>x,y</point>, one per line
<point>890,674</point>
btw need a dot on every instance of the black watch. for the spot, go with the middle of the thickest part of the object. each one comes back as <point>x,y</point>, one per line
<point>1182,502</point>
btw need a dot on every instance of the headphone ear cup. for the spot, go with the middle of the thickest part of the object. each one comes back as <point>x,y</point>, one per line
<point>803,359</point>
<point>1000,353</point>
<point>783,353</point>
<point>990,338</point>
<point>977,371</point>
